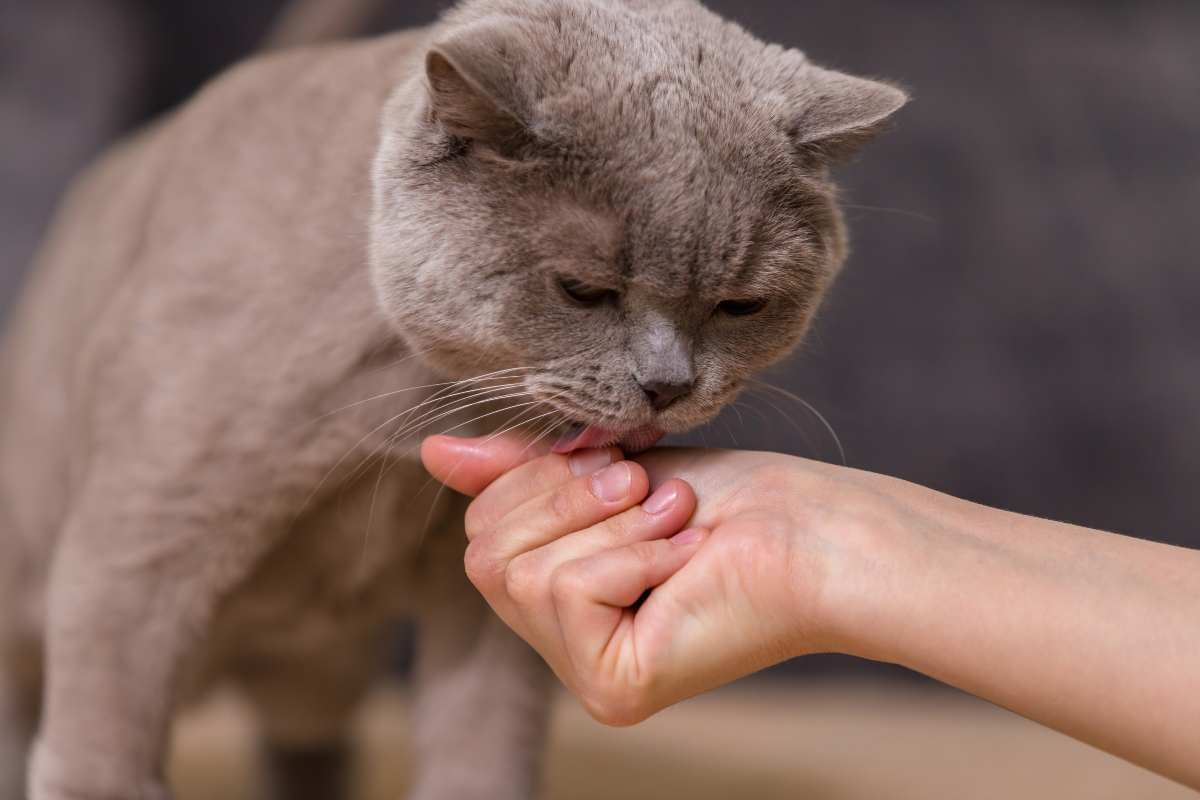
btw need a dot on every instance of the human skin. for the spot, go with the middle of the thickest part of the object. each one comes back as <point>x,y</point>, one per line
<point>754,558</point>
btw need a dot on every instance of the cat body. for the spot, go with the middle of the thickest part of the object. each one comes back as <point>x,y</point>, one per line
<point>142,447</point>
<point>212,387</point>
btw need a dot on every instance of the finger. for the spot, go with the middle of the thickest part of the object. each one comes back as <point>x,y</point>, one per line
<point>569,507</point>
<point>661,515</point>
<point>532,479</point>
<point>593,596</point>
<point>470,465</point>
<point>503,559</point>
<point>523,577</point>
<point>514,563</point>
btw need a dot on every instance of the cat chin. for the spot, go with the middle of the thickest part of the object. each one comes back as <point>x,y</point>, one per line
<point>582,437</point>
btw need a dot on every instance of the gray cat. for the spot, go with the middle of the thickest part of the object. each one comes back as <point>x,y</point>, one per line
<point>592,218</point>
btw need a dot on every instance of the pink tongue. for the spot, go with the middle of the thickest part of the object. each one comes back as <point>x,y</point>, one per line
<point>633,441</point>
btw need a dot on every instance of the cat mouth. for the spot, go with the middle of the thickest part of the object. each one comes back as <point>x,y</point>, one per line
<point>581,436</point>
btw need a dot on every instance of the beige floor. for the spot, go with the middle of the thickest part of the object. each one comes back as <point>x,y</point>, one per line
<point>822,742</point>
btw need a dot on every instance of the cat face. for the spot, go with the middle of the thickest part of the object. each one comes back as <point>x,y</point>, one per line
<point>626,206</point>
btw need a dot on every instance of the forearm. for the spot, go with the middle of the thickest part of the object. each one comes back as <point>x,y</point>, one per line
<point>1094,634</point>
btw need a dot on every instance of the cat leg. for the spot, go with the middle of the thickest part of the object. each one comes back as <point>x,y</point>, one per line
<point>19,692</point>
<point>20,660</point>
<point>306,704</point>
<point>14,743</point>
<point>482,695</point>
<point>136,579</point>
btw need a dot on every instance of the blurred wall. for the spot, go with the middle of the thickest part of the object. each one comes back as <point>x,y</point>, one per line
<point>1018,322</point>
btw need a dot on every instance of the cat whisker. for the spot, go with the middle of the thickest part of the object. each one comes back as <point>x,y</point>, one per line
<point>383,465</point>
<point>432,415</point>
<point>550,425</point>
<point>729,431</point>
<point>552,412</point>
<point>738,406</point>
<point>512,373</point>
<point>340,461</point>
<point>811,409</point>
<point>337,464</point>
<point>509,425</point>
<point>811,446</point>
<point>456,388</point>
<point>403,360</point>
<point>453,393</point>
<point>504,429</point>
<point>362,558</point>
<point>385,468</point>
<point>442,386</point>
<point>384,395</point>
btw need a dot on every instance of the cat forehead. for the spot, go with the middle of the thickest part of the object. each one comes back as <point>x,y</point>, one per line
<point>709,244</point>
<point>674,110</point>
<point>564,226</point>
<point>640,65</point>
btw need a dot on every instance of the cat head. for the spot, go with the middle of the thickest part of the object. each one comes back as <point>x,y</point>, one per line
<point>627,204</point>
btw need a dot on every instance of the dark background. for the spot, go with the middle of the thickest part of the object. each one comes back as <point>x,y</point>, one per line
<point>1018,322</point>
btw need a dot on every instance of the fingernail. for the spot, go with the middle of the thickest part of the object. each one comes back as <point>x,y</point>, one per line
<point>690,536</point>
<point>662,499</point>
<point>612,483</point>
<point>585,462</point>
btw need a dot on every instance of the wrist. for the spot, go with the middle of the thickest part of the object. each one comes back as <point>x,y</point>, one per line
<point>877,543</point>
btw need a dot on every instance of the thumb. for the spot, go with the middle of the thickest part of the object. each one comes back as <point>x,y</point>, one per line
<point>470,465</point>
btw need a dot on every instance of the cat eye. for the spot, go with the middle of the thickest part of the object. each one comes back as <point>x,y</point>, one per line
<point>583,294</point>
<point>741,308</point>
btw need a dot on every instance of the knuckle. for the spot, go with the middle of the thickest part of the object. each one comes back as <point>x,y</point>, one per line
<point>522,578</point>
<point>563,502</point>
<point>614,707</point>
<point>475,521</point>
<point>569,581</point>
<point>646,553</point>
<point>479,564</point>
<point>622,528</point>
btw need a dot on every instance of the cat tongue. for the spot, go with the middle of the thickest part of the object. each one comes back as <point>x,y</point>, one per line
<point>634,441</point>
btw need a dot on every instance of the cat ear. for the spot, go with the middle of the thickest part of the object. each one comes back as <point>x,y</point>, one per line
<point>839,113</point>
<point>470,77</point>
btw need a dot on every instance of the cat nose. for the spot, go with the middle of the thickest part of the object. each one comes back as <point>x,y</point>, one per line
<point>663,393</point>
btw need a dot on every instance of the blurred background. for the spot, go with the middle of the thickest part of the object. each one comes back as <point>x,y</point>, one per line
<point>1019,322</point>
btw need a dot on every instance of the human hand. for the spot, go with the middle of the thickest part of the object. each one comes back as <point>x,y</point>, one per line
<point>563,548</point>
<point>1089,632</point>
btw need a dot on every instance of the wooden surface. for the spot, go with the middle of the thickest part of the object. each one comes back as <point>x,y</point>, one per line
<point>831,741</point>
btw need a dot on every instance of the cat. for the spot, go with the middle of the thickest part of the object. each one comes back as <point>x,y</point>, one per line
<point>591,218</point>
